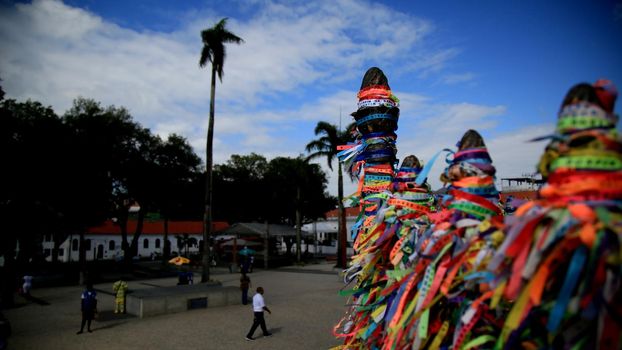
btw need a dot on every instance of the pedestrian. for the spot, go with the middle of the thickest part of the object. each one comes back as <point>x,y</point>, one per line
<point>88,307</point>
<point>27,285</point>
<point>258,308</point>
<point>251,262</point>
<point>190,277</point>
<point>120,290</point>
<point>245,283</point>
<point>245,264</point>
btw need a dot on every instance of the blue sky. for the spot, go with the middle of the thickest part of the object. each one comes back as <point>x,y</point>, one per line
<point>500,67</point>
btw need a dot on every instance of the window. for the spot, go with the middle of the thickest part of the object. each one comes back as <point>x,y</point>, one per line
<point>87,245</point>
<point>157,243</point>
<point>74,245</point>
<point>111,245</point>
<point>61,252</point>
<point>146,243</point>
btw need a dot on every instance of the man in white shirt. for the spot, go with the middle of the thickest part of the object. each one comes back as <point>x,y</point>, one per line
<point>258,308</point>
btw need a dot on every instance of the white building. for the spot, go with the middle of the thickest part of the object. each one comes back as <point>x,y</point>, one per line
<point>325,231</point>
<point>104,242</point>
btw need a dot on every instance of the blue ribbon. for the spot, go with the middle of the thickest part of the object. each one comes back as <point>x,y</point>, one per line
<point>572,277</point>
<point>375,116</point>
<point>426,169</point>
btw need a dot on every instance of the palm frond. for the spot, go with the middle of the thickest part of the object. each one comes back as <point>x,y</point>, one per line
<point>318,145</point>
<point>214,51</point>
<point>329,157</point>
<point>206,56</point>
<point>326,128</point>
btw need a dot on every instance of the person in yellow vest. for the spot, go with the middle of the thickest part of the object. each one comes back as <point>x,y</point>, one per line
<point>120,289</point>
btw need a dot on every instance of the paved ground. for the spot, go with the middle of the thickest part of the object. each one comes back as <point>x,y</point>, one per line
<point>304,301</point>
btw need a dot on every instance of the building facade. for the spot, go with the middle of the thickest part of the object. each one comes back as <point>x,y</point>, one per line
<point>104,242</point>
<point>325,231</point>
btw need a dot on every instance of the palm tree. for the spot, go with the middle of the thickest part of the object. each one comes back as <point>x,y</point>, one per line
<point>214,40</point>
<point>185,242</point>
<point>326,146</point>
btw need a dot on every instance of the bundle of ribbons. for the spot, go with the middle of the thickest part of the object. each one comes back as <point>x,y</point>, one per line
<point>371,159</point>
<point>462,277</point>
<point>439,298</point>
<point>560,263</point>
<point>407,211</point>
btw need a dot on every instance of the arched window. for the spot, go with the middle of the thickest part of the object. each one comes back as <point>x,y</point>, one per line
<point>146,243</point>
<point>74,245</point>
<point>111,245</point>
<point>157,243</point>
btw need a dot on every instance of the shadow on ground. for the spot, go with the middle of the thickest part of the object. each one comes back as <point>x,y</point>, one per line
<point>109,315</point>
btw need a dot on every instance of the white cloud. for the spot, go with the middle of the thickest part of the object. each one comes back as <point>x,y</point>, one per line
<point>54,53</point>
<point>451,79</point>
<point>313,53</point>
<point>511,152</point>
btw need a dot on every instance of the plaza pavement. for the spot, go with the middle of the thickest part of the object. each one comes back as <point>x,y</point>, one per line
<point>304,302</point>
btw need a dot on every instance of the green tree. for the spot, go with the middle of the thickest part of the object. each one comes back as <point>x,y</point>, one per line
<point>240,178</point>
<point>298,193</point>
<point>52,185</point>
<point>326,146</point>
<point>113,148</point>
<point>214,52</point>
<point>185,242</point>
<point>36,196</point>
<point>178,167</point>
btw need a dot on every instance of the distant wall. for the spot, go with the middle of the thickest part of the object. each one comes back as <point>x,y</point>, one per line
<point>527,194</point>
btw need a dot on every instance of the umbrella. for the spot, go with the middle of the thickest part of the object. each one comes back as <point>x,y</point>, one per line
<point>180,260</point>
<point>246,251</point>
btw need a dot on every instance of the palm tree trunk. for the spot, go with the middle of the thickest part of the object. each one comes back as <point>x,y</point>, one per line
<point>342,248</point>
<point>207,215</point>
<point>82,259</point>
<point>165,251</point>
<point>138,232</point>
<point>298,223</point>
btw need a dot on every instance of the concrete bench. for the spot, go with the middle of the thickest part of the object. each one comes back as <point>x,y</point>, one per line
<point>165,300</point>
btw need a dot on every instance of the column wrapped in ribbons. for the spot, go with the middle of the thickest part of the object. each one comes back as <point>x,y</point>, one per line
<point>561,260</point>
<point>407,212</point>
<point>371,158</point>
<point>439,299</point>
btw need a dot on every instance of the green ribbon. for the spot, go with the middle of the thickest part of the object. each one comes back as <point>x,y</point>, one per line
<point>603,162</point>
<point>473,209</point>
<point>482,339</point>
<point>582,122</point>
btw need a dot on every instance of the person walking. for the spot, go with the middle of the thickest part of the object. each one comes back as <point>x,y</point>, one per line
<point>27,285</point>
<point>245,283</point>
<point>259,306</point>
<point>120,290</point>
<point>88,307</point>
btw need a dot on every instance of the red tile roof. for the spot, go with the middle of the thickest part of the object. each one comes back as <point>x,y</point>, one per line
<point>157,227</point>
<point>350,212</point>
<point>527,195</point>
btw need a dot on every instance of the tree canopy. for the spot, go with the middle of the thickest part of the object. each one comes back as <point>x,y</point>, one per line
<point>66,173</point>
<point>249,188</point>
